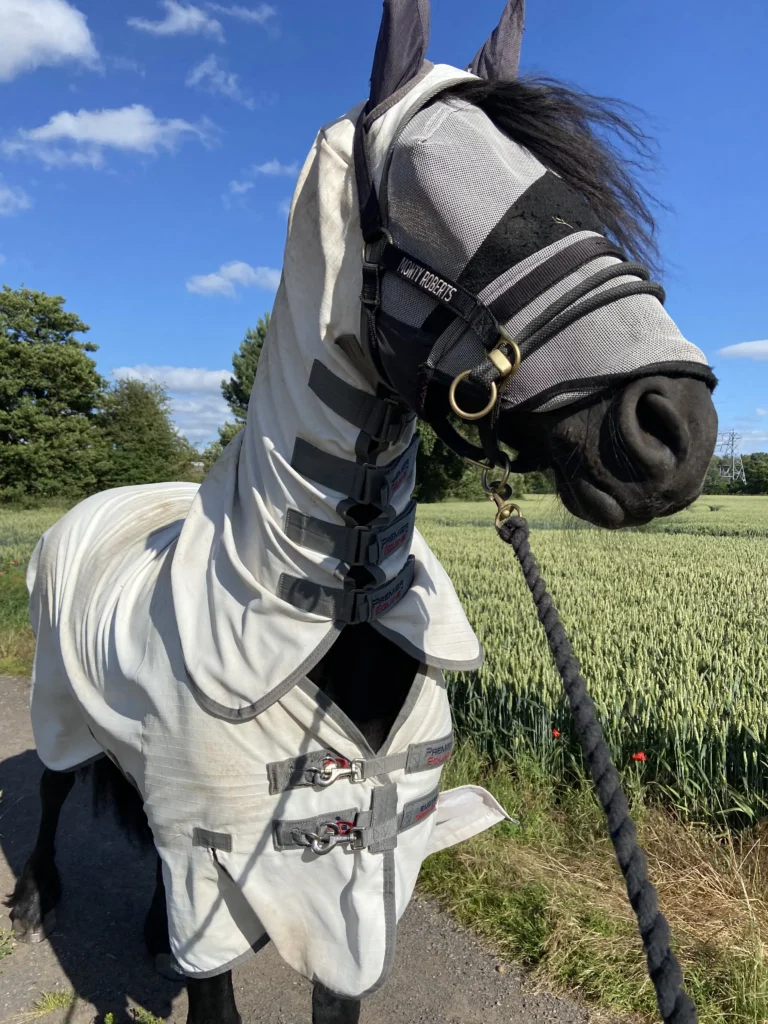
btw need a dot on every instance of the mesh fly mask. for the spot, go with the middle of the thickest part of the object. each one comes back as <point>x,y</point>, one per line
<point>488,274</point>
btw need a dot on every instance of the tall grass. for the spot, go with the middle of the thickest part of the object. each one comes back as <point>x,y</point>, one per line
<point>670,629</point>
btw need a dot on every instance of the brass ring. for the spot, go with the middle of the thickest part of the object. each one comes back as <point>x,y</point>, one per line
<point>494,487</point>
<point>470,415</point>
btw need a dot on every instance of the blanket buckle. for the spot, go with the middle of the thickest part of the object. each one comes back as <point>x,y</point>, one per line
<point>334,768</point>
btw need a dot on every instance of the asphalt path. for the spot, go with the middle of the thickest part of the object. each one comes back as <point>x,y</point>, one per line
<point>442,975</point>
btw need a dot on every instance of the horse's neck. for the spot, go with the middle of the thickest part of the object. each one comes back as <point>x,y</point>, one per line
<point>368,677</point>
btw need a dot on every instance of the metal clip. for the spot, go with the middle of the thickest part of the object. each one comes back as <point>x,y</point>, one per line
<point>334,768</point>
<point>500,492</point>
<point>338,833</point>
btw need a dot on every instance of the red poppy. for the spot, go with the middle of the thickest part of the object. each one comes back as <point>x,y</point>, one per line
<point>556,733</point>
<point>639,756</point>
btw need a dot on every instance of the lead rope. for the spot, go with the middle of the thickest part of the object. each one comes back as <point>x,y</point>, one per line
<point>675,1005</point>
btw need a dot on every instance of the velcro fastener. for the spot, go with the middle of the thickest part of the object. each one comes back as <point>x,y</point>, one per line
<point>382,419</point>
<point>358,545</point>
<point>367,484</point>
<point>348,606</point>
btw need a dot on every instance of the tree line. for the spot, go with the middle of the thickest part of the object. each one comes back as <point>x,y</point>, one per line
<point>66,432</point>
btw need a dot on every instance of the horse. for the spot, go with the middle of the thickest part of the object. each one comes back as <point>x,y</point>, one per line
<point>251,670</point>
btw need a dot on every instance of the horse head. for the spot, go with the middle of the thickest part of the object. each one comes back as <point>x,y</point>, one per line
<point>506,280</point>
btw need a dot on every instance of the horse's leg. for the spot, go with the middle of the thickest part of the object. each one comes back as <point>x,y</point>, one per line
<point>156,929</point>
<point>38,889</point>
<point>330,1009</point>
<point>212,1000</point>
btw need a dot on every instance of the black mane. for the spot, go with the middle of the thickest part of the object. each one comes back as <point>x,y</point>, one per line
<point>570,133</point>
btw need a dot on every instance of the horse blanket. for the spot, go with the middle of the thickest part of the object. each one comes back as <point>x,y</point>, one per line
<point>176,626</point>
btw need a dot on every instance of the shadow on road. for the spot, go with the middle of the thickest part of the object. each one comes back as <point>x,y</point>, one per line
<point>107,886</point>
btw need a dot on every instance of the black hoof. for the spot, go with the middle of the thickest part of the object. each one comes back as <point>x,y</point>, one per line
<point>29,932</point>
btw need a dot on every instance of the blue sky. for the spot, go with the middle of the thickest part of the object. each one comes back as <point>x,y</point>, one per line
<point>148,150</point>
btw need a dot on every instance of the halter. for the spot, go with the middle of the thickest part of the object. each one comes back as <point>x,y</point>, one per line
<point>503,354</point>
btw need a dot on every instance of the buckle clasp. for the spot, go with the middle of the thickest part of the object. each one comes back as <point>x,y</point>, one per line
<point>334,768</point>
<point>337,833</point>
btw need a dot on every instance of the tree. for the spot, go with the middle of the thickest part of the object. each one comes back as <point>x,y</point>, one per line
<point>49,390</point>
<point>714,482</point>
<point>141,444</point>
<point>756,472</point>
<point>237,390</point>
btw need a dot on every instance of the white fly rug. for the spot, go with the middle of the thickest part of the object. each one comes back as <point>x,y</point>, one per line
<point>166,638</point>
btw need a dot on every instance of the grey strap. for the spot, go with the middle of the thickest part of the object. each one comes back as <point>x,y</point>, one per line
<point>417,810</point>
<point>305,770</point>
<point>376,830</point>
<point>348,606</point>
<point>212,840</point>
<point>366,483</point>
<point>296,772</point>
<point>384,823</point>
<point>382,419</point>
<point>355,545</point>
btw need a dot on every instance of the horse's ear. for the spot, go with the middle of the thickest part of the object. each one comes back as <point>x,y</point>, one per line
<point>400,48</point>
<point>499,56</point>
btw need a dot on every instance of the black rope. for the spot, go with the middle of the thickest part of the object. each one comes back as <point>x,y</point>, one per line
<point>675,1005</point>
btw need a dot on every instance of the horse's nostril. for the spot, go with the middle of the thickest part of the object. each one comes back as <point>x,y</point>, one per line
<point>654,431</point>
<point>658,418</point>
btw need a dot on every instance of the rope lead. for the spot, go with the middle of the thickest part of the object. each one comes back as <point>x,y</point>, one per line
<point>675,1005</point>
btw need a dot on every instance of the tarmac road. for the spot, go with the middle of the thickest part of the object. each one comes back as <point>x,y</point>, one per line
<point>442,975</point>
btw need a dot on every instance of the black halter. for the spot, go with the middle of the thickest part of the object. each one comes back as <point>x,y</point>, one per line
<point>503,353</point>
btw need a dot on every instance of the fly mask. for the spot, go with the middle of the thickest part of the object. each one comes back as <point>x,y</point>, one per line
<point>487,278</point>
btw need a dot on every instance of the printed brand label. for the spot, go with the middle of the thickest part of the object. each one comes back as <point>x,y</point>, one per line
<point>399,479</point>
<point>425,809</point>
<point>394,540</point>
<point>379,605</point>
<point>439,753</point>
<point>426,280</point>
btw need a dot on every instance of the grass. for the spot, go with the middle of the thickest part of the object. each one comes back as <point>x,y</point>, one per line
<point>548,894</point>
<point>47,1003</point>
<point>138,1014</point>
<point>7,943</point>
<point>19,532</point>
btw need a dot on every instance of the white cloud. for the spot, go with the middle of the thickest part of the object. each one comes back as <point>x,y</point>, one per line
<point>12,199</point>
<point>746,350</point>
<point>81,138</point>
<point>225,280</point>
<point>761,412</point>
<point>2,259</point>
<point>197,405</point>
<point>42,32</point>
<point>182,379</point>
<point>214,79</point>
<point>237,188</point>
<point>274,167</point>
<point>126,64</point>
<point>180,19</point>
<point>258,15</point>
<point>285,207</point>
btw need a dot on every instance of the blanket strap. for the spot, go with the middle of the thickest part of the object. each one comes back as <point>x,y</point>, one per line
<point>375,830</point>
<point>382,419</point>
<point>350,607</point>
<point>321,768</point>
<point>366,483</point>
<point>355,545</point>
